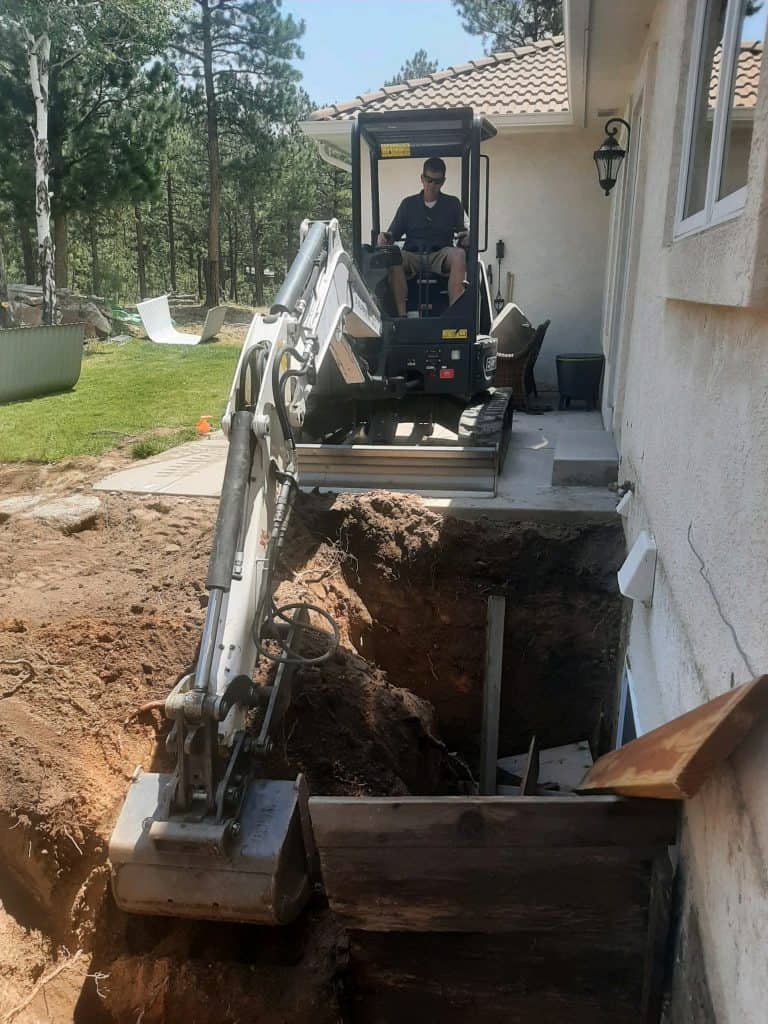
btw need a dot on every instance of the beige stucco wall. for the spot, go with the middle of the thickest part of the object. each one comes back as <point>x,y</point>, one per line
<point>693,422</point>
<point>547,207</point>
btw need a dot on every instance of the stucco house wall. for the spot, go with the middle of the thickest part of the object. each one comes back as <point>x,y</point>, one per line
<point>558,259</point>
<point>692,417</point>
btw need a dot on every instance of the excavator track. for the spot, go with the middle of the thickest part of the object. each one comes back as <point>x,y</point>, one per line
<point>488,422</point>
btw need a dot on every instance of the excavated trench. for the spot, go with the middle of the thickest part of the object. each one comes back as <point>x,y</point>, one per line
<point>395,712</point>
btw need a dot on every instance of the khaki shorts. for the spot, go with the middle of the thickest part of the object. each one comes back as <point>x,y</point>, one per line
<point>435,261</point>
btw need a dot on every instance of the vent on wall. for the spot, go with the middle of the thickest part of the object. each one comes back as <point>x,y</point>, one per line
<point>638,573</point>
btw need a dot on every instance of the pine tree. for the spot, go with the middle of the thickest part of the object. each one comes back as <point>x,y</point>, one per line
<point>504,24</point>
<point>226,43</point>
<point>418,66</point>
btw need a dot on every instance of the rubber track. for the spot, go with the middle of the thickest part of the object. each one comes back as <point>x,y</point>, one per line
<point>488,422</point>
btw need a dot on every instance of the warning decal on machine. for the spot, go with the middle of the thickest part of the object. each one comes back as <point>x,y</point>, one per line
<point>395,149</point>
<point>454,332</point>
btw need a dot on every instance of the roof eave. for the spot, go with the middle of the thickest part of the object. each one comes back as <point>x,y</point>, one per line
<point>335,134</point>
<point>576,31</point>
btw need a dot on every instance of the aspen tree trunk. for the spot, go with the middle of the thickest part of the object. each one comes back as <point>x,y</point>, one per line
<point>171,234</point>
<point>39,56</point>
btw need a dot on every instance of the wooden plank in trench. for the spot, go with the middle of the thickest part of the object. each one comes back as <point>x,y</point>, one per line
<point>489,864</point>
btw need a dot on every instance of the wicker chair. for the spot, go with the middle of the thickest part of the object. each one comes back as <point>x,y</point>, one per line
<point>516,371</point>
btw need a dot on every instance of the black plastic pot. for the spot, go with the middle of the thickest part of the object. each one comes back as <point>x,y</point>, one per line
<point>579,375</point>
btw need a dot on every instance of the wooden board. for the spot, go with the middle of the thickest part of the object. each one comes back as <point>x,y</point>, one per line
<point>553,978</point>
<point>674,761</point>
<point>530,776</point>
<point>487,864</point>
<point>494,652</point>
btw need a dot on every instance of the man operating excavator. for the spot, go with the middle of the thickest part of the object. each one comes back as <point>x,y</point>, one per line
<point>429,222</point>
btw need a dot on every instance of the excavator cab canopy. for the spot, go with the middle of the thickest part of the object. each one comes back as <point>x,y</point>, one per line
<point>380,138</point>
<point>415,342</point>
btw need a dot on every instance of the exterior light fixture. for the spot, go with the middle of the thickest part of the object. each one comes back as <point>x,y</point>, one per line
<point>609,157</point>
<point>498,302</point>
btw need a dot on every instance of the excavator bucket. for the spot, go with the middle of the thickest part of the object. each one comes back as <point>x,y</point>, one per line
<point>257,872</point>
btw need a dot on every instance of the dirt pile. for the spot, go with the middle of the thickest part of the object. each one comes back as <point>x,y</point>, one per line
<point>98,624</point>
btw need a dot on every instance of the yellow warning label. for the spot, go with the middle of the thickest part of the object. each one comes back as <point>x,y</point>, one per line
<point>395,149</point>
<point>454,332</point>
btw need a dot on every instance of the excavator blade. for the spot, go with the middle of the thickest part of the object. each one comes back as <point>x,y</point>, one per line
<point>200,869</point>
<point>430,471</point>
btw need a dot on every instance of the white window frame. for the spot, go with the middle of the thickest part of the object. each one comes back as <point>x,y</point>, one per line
<point>715,210</point>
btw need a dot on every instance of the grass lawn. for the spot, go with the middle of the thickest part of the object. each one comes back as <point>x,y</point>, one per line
<point>123,392</point>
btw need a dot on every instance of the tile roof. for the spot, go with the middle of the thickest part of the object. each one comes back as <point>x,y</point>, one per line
<point>528,80</point>
<point>747,76</point>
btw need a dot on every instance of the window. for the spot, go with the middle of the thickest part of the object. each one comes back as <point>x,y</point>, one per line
<point>626,720</point>
<point>722,95</point>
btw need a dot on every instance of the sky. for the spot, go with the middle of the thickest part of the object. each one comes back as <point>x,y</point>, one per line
<point>354,46</point>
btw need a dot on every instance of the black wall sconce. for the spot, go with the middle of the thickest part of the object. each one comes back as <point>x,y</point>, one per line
<point>609,157</point>
<point>498,302</point>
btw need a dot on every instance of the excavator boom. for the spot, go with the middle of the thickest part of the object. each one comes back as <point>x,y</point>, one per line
<point>212,839</point>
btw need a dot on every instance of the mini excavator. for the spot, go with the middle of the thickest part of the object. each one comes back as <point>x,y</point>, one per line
<point>329,370</point>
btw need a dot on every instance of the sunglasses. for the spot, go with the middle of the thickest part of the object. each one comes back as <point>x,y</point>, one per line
<point>432,181</point>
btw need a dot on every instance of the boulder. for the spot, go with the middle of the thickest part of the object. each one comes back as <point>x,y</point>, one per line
<point>77,311</point>
<point>26,309</point>
<point>70,515</point>
<point>18,505</point>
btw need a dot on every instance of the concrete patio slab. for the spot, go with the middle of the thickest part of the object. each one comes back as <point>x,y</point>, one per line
<point>525,489</point>
<point>585,457</point>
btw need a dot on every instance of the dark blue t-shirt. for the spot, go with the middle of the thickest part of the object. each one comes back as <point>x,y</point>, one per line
<point>425,228</point>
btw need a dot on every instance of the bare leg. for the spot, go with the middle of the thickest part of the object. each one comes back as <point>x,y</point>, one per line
<point>456,270</point>
<point>399,287</point>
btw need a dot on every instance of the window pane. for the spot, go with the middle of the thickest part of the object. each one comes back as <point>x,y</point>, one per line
<point>710,61</point>
<point>741,108</point>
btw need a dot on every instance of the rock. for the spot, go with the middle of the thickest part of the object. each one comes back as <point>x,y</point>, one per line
<point>18,505</point>
<point>96,324</point>
<point>70,515</point>
<point>26,302</point>
<point>27,316</point>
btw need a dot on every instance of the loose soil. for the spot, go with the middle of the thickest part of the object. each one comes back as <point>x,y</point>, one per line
<point>98,623</point>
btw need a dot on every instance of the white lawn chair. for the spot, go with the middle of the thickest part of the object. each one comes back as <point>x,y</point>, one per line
<point>156,317</point>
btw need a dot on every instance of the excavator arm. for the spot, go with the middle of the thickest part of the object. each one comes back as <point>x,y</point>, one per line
<point>212,838</point>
